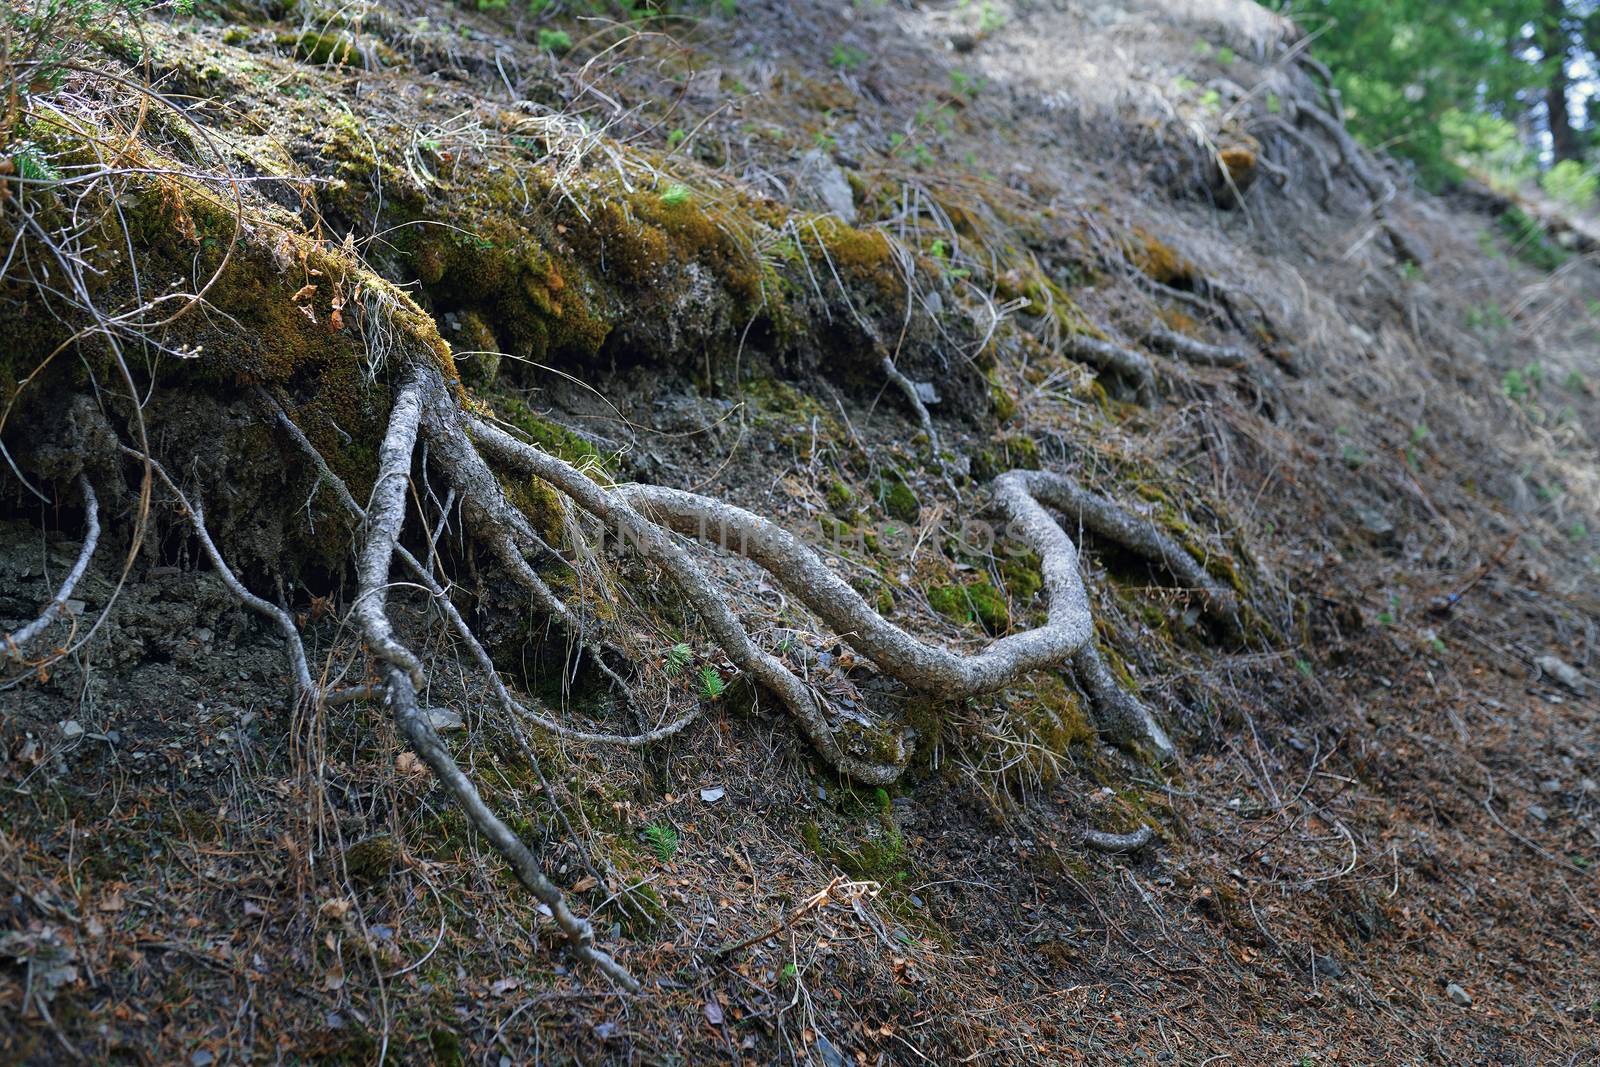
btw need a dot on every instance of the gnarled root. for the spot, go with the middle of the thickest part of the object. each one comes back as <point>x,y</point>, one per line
<point>646,517</point>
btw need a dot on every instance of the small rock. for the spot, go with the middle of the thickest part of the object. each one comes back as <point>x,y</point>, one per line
<point>1561,671</point>
<point>830,184</point>
<point>831,1056</point>
<point>445,719</point>
<point>1376,523</point>
<point>1537,813</point>
<point>1327,967</point>
<point>71,729</point>
<point>201,1058</point>
<point>1589,785</point>
<point>1459,995</point>
<point>1551,785</point>
<point>712,795</point>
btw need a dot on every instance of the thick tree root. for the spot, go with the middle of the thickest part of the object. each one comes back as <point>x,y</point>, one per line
<point>1066,636</point>
<point>16,644</point>
<point>1124,362</point>
<point>646,517</point>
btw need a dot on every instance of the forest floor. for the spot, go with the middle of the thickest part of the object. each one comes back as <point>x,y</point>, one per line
<point>1378,843</point>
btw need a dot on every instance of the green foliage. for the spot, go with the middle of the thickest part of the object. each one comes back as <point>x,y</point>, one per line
<point>677,658</point>
<point>1402,66</point>
<point>847,57</point>
<point>710,683</point>
<point>676,194</point>
<point>1571,183</point>
<point>1529,242</point>
<point>556,41</point>
<point>663,839</point>
<point>1487,145</point>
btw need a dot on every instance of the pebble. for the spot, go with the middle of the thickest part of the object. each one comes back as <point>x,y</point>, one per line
<point>1561,671</point>
<point>1459,995</point>
<point>71,729</point>
<point>1537,812</point>
<point>444,718</point>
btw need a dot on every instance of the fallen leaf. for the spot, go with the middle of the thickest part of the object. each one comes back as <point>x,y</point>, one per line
<point>113,901</point>
<point>584,884</point>
<point>305,292</point>
<point>502,986</point>
<point>408,763</point>
<point>713,1013</point>
<point>335,908</point>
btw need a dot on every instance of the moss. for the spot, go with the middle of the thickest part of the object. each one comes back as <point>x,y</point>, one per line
<point>369,861</point>
<point>978,602</point>
<point>1023,576</point>
<point>874,848</point>
<point>899,500</point>
<point>840,497</point>
<point>1159,261</point>
<point>1000,400</point>
<point>550,436</point>
<point>447,1048</point>
<point>323,49</point>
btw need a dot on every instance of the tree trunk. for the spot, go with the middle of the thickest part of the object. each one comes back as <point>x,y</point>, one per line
<point>1557,44</point>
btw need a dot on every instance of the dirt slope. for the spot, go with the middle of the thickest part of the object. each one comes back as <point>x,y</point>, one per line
<point>678,254</point>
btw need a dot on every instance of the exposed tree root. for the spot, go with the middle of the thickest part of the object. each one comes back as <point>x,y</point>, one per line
<point>1116,844</point>
<point>385,516</point>
<point>1379,188</point>
<point>418,730</point>
<point>913,395</point>
<point>1121,361</point>
<point>1192,351</point>
<point>646,518</point>
<point>16,644</point>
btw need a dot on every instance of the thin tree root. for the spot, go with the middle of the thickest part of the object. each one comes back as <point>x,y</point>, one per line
<point>1190,350</point>
<point>913,397</point>
<point>16,644</point>
<point>386,514</point>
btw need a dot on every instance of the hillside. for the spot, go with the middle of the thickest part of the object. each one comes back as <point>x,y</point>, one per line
<point>830,533</point>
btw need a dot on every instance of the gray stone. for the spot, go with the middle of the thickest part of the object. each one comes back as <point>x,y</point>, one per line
<point>1459,995</point>
<point>445,718</point>
<point>828,181</point>
<point>1562,672</point>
